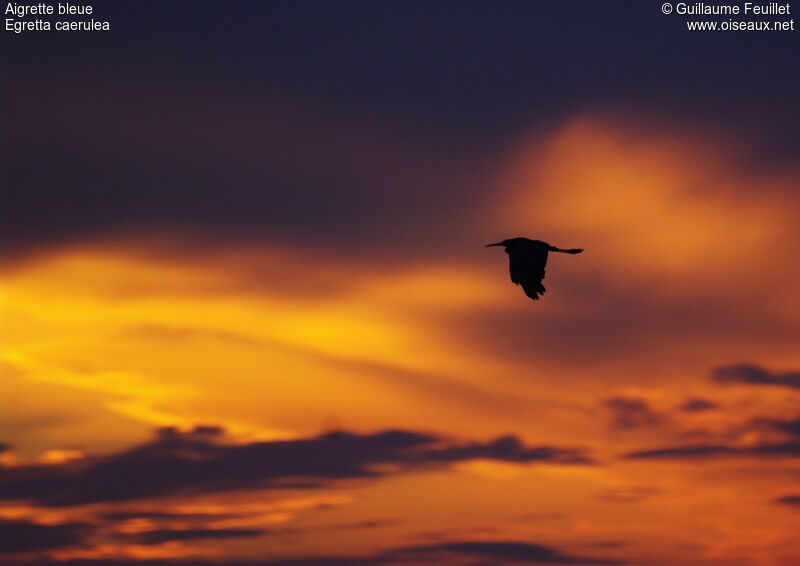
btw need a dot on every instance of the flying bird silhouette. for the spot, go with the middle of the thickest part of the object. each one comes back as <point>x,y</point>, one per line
<point>526,261</point>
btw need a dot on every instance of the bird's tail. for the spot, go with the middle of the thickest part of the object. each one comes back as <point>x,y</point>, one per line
<point>569,251</point>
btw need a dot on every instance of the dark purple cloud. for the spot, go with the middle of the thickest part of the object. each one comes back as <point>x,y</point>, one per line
<point>196,462</point>
<point>789,500</point>
<point>166,535</point>
<point>708,451</point>
<point>496,553</point>
<point>752,374</point>
<point>789,427</point>
<point>696,405</point>
<point>202,527</point>
<point>784,444</point>
<point>124,158</point>
<point>630,413</point>
<point>23,536</point>
<point>164,516</point>
<point>508,449</point>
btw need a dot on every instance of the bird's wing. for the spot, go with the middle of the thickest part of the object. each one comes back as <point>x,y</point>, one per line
<point>527,269</point>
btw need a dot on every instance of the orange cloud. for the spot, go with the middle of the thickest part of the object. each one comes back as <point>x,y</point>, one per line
<point>651,204</point>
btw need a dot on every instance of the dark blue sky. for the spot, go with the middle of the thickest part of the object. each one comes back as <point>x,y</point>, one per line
<point>463,77</point>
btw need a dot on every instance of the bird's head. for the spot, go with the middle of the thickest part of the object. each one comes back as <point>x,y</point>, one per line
<point>509,244</point>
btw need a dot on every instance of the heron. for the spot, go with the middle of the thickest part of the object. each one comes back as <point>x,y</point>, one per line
<point>526,261</point>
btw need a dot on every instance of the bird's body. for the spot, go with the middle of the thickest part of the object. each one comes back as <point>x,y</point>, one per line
<point>526,262</point>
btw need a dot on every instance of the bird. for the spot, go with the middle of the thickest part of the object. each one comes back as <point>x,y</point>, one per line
<point>526,261</point>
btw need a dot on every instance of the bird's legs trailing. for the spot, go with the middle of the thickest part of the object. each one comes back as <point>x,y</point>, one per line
<point>569,251</point>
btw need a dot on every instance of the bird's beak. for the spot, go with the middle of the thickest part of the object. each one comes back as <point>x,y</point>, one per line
<point>497,244</point>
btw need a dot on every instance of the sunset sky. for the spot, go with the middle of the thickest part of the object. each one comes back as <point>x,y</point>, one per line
<point>247,315</point>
